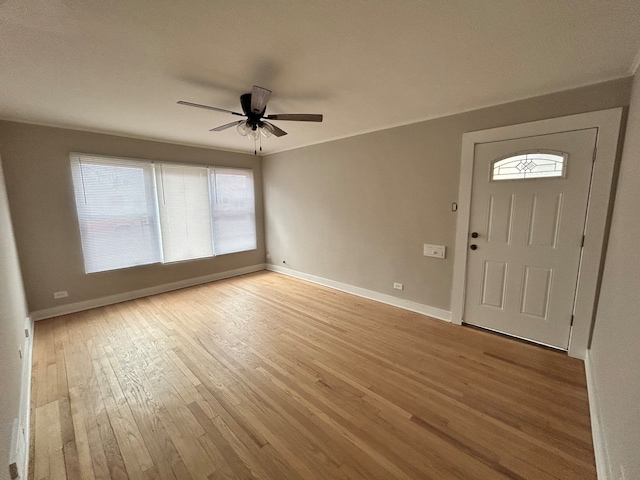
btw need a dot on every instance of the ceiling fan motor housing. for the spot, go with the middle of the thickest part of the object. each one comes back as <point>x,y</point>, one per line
<point>253,118</point>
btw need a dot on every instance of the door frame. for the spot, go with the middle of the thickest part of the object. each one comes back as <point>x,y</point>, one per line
<point>607,122</point>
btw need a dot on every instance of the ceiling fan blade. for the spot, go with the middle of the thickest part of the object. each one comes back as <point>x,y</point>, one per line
<point>225,126</point>
<point>278,132</point>
<point>189,104</point>
<point>259,98</point>
<point>298,117</point>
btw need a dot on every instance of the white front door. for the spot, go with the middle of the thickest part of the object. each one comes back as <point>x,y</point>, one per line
<point>528,206</point>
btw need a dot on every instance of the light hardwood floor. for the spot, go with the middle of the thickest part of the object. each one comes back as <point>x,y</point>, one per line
<point>268,377</point>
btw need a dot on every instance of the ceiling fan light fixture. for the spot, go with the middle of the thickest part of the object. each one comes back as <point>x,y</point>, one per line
<point>266,130</point>
<point>243,128</point>
<point>253,133</point>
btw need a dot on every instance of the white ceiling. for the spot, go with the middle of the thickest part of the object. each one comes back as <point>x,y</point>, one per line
<point>120,66</point>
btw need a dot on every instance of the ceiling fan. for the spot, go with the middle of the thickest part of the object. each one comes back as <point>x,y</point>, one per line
<point>255,126</point>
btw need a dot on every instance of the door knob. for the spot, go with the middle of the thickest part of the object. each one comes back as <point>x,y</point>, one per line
<point>473,247</point>
<point>474,235</point>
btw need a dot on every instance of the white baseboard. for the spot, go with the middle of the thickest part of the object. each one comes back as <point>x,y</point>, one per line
<point>21,428</point>
<point>145,292</point>
<point>603,464</point>
<point>370,294</point>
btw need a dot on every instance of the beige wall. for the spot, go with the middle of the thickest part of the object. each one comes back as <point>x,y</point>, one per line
<point>358,210</point>
<point>615,349</point>
<point>13,312</point>
<point>40,190</point>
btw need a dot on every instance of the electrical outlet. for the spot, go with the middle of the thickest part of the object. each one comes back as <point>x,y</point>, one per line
<point>268,256</point>
<point>437,251</point>
<point>60,294</point>
<point>398,286</point>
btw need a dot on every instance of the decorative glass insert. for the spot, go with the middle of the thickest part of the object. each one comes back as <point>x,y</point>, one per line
<point>530,165</point>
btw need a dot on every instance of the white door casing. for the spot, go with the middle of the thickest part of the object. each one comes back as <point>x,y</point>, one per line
<point>521,278</point>
<point>607,125</point>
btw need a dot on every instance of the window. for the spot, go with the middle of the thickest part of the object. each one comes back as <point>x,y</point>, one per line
<point>233,205</point>
<point>183,201</point>
<point>135,213</point>
<point>116,212</point>
<point>530,165</point>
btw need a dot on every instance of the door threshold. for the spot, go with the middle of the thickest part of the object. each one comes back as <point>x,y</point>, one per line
<point>515,337</point>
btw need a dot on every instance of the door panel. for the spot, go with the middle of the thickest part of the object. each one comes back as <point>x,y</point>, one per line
<point>544,220</point>
<point>493,284</point>
<point>500,215</point>
<point>535,291</point>
<point>521,279</point>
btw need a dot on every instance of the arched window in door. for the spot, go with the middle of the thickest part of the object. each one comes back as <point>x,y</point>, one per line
<point>528,165</point>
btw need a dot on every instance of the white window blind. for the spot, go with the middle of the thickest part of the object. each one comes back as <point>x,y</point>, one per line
<point>233,206</point>
<point>185,217</point>
<point>117,212</point>
<point>131,212</point>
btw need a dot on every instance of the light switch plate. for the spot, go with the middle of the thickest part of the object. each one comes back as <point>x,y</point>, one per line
<point>436,251</point>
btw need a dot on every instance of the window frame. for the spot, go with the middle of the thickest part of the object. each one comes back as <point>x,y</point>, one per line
<point>156,173</point>
<point>75,156</point>
<point>213,193</point>
<point>146,167</point>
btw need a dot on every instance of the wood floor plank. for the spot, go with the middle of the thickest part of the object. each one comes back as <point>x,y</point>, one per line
<point>49,464</point>
<point>81,436</point>
<point>267,377</point>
